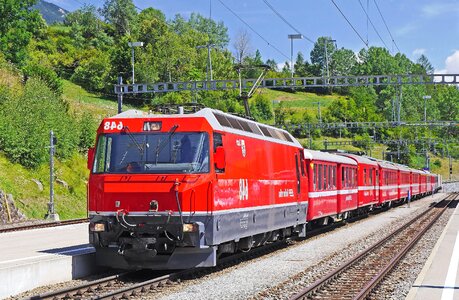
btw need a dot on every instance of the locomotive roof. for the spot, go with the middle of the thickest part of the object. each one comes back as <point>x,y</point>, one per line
<point>325,156</point>
<point>226,122</point>
<point>359,159</point>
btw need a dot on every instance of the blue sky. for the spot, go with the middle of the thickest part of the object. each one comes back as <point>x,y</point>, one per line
<point>417,26</point>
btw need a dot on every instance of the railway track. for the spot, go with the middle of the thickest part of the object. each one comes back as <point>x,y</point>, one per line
<point>134,284</point>
<point>43,225</point>
<point>356,278</point>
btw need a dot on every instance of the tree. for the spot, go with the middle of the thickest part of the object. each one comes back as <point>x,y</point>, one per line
<point>87,29</point>
<point>343,62</point>
<point>425,64</point>
<point>318,54</point>
<point>302,67</point>
<point>121,14</point>
<point>242,46</point>
<point>217,33</point>
<point>20,23</point>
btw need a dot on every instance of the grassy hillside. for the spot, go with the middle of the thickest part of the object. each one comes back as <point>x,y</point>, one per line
<point>70,200</point>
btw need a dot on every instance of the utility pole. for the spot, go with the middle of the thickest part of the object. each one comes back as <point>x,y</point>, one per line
<point>425,106</point>
<point>120,95</point>
<point>209,60</point>
<point>52,215</point>
<point>318,110</point>
<point>326,41</point>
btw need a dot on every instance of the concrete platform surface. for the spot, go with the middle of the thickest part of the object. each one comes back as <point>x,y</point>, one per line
<point>33,258</point>
<point>438,279</point>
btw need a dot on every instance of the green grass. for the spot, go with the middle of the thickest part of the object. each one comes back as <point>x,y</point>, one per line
<point>70,202</point>
<point>300,100</point>
<point>81,101</point>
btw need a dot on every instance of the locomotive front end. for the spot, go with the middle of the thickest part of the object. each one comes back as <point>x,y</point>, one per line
<point>149,192</point>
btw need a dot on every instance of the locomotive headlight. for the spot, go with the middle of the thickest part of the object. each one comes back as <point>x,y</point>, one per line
<point>97,227</point>
<point>190,227</point>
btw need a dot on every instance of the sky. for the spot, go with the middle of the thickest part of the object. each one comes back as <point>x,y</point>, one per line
<point>412,27</point>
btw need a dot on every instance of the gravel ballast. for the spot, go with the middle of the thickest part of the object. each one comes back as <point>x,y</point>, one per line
<point>270,276</point>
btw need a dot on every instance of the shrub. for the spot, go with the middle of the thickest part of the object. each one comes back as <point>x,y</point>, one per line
<point>26,121</point>
<point>46,75</point>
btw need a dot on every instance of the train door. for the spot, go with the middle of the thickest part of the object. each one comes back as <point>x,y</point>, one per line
<point>303,196</point>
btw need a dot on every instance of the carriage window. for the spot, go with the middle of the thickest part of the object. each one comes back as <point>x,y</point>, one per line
<point>321,178</point>
<point>325,177</point>
<point>371,176</point>
<point>334,176</point>
<point>315,177</point>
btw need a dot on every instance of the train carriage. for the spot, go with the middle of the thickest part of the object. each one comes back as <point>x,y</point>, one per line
<point>403,181</point>
<point>368,180</point>
<point>388,185</point>
<point>423,183</point>
<point>332,185</point>
<point>415,183</point>
<point>174,191</point>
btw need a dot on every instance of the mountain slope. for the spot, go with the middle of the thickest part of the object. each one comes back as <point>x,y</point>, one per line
<point>51,12</point>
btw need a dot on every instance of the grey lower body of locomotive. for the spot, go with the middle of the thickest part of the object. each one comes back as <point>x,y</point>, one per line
<point>157,241</point>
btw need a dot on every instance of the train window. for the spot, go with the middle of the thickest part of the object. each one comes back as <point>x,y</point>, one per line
<point>235,123</point>
<point>245,125</point>
<point>287,136</point>
<point>342,177</point>
<point>222,120</point>
<point>364,176</point>
<point>325,186</point>
<point>371,176</point>
<point>254,128</point>
<point>321,178</point>
<point>265,131</point>
<point>334,176</point>
<point>377,177</point>
<point>99,161</point>
<point>330,177</point>
<point>314,181</point>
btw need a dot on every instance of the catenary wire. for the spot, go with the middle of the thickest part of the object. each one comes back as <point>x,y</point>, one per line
<point>382,17</point>
<point>285,20</point>
<point>372,25</point>
<point>350,24</point>
<point>251,28</point>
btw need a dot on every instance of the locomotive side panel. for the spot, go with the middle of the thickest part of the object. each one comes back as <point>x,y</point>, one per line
<point>256,193</point>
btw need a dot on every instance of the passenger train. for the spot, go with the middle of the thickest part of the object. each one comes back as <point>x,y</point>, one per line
<point>177,191</point>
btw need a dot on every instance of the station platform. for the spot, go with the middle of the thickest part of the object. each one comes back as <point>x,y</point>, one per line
<point>439,277</point>
<point>38,257</point>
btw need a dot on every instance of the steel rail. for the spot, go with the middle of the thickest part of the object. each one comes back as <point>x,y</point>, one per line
<point>331,275</point>
<point>76,290</point>
<point>368,288</point>
<point>44,225</point>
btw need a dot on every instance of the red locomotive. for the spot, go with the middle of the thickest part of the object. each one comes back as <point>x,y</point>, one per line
<point>177,191</point>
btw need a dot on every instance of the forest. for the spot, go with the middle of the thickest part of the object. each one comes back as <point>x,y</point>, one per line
<point>91,49</point>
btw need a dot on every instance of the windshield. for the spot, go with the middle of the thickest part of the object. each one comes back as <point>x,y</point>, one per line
<point>173,152</point>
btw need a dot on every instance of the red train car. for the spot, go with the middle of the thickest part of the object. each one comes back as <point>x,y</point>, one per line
<point>332,185</point>
<point>368,180</point>
<point>404,181</point>
<point>174,191</point>
<point>415,183</point>
<point>388,184</point>
<point>423,183</point>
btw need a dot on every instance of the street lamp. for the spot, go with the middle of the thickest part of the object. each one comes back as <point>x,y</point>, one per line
<point>132,45</point>
<point>293,37</point>
<point>425,106</point>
